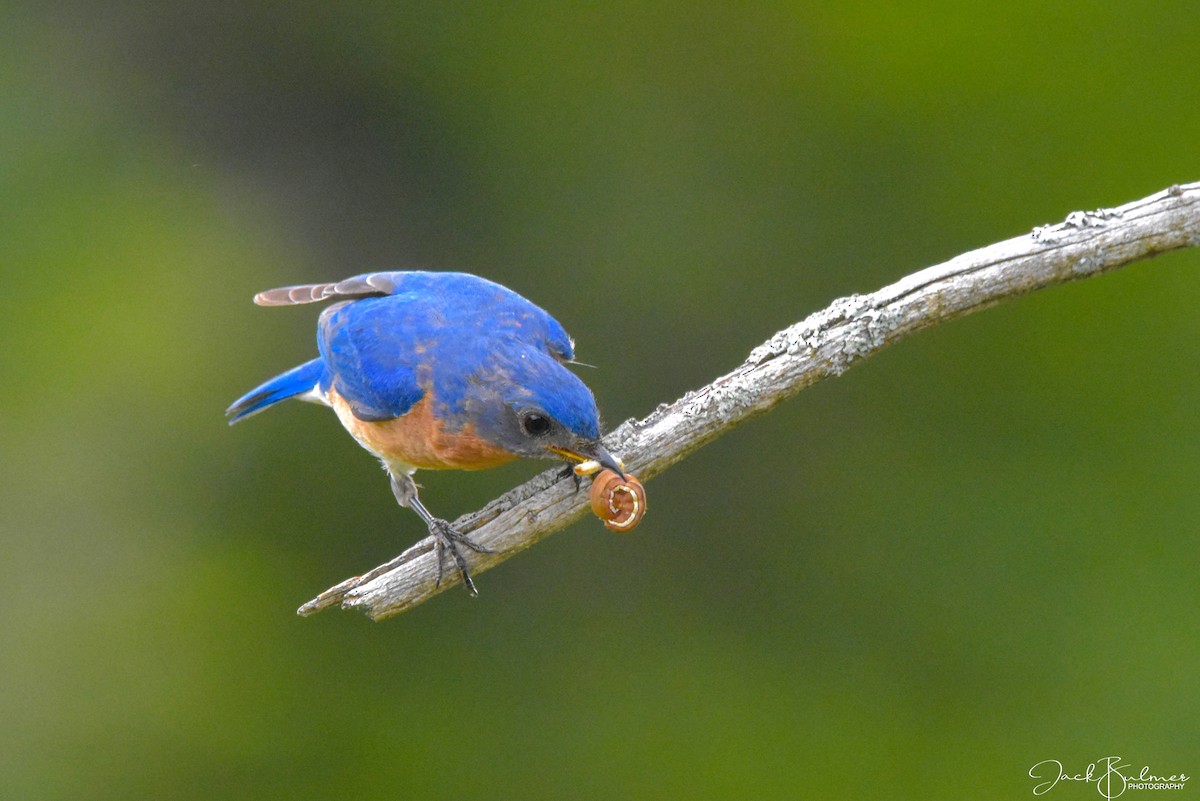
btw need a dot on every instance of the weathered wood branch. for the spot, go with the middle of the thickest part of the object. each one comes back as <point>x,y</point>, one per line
<point>825,344</point>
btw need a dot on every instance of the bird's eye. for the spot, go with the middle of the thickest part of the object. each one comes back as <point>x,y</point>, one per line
<point>535,425</point>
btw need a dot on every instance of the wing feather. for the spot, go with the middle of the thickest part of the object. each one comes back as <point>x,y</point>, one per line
<point>369,350</point>
<point>372,285</point>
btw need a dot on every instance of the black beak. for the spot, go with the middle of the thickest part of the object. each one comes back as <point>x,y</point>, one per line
<point>597,452</point>
<point>591,452</point>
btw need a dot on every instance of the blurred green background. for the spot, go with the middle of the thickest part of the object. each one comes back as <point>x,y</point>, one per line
<point>972,553</point>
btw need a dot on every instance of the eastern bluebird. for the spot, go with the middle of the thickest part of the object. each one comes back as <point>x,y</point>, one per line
<point>436,371</point>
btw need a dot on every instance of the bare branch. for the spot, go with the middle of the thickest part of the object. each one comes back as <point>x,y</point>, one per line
<point>1086,244</point>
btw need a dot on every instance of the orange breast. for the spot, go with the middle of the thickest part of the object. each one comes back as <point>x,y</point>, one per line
<point>418,440</point>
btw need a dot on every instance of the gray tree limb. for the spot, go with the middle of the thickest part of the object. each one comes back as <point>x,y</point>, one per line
<point>825,344</point>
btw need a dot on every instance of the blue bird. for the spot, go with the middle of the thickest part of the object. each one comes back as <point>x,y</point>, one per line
<point>436,371</point>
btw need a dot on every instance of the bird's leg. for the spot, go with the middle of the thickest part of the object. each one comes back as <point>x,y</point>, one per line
<point>405,490</point>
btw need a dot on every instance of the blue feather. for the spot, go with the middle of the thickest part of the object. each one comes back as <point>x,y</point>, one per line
<point>296,381</point>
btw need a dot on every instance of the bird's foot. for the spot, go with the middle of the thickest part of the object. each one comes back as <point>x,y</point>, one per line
<point>569,470</point>
<point>448,539</point>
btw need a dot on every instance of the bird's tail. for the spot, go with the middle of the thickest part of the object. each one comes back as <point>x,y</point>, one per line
<point>297,381</point>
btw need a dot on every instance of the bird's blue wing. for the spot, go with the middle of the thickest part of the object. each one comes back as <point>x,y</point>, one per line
<point>371,349</point>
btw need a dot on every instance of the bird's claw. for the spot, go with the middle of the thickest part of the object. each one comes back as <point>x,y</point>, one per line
<point>448,539</point>
<point>569,470</point>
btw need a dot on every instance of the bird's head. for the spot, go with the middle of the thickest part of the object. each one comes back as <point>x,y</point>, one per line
<point>530,404</point>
